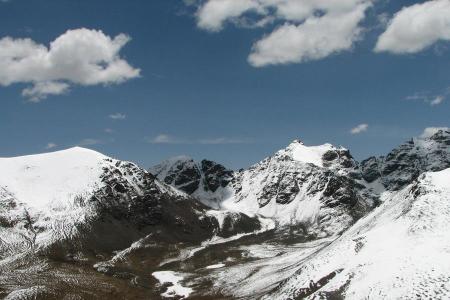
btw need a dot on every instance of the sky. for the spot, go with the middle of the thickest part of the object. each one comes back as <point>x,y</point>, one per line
<point>232,81</point>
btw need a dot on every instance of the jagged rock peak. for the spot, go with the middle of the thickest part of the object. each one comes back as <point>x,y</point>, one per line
<point>428,152</point>
<point>436,133</point>
<point>190,176</point>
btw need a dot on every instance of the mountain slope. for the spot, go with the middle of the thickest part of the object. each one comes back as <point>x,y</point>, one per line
<point>53,197</point>
<point>401,250</point>
<point>69,211</point>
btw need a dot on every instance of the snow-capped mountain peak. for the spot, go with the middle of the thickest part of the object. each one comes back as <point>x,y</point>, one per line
<point>48,179</point>
<point>298,151</point>
<point>326,155</point>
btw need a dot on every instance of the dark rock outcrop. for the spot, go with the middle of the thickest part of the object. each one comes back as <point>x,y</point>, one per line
<point>405,163</point>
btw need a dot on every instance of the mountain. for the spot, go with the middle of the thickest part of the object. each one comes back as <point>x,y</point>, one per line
<point>203,180</point>
<point>322,188</point>
<point>319,188</point>
<point>308,222</point>
<point>79,206</point>
<point>53,197</point>
<point>399,251</point>
<point>396,248</point>
<point>430,152</point>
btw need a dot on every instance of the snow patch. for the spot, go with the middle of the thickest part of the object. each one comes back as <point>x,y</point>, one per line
<point>216,266</point>
<point>174,278</point>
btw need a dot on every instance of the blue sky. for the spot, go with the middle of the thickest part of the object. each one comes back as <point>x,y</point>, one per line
<point>198,94</point>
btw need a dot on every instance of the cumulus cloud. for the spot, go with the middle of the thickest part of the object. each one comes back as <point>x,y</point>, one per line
<point>77,57</point>
<point>118,116</point>
<point>41,90</point>
<point>430,131</point>
<point>416,28</point>
<point>214,13</point>
<point>316,38</point>
<point>359,129</point>
<point>312,29</point>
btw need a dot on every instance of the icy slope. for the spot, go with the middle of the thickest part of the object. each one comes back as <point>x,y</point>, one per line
<point>399,251</point>
<point>51,182</point>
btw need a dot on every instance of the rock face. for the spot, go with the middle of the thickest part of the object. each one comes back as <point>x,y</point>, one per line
<point>204,180</point>
<point>180,172</point>
<point>189,176</point>
<point>405,163</point>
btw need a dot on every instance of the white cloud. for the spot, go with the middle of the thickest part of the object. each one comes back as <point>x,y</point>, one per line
<point>164,139</point>
<point>41,90</point>
<point>426,98</point>
<point>81,57</point>
<point>314,29</point>
<point>50,146</point>
<point>437,100</point>
<point>214,13</point>
<point>168,139</point>
<point>416,28</point>
<point>359,129</point>
<point>118,116</point>
<point>430,131</point>
<point>223,141</point>
<point>316,38</point>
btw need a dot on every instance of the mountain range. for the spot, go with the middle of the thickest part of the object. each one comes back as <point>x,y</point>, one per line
<point>308,222</point>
